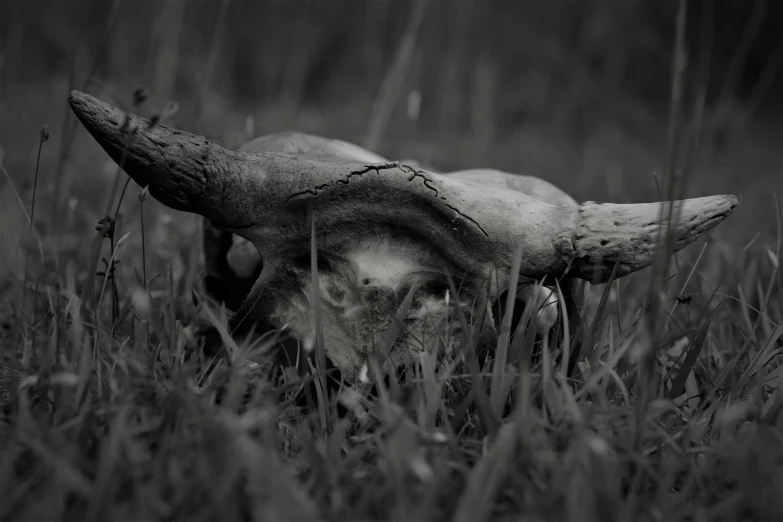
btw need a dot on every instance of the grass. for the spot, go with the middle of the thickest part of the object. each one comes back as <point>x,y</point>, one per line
<point>674,411</point>
<point>128,427</point>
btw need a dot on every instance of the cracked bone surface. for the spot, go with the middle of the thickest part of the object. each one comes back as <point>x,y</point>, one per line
<point>382,228</point>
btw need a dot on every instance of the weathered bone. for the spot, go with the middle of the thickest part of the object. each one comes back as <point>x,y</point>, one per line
<point>382,227</point>
<point>245,261</point>
<point>270,197</point>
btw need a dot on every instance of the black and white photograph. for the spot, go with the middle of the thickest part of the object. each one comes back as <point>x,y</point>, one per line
<point>391,260</point>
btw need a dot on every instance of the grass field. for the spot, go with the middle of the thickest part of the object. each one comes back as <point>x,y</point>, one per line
<point>106,414</point>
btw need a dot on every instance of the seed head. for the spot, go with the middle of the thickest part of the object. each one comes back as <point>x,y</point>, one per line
<point>44,133</point>
<point>153,121</point>
<point>170,109</point>
<point>144,195</point>
<point>773,259</point>
<point>140,95</point>
<point>105,226</point>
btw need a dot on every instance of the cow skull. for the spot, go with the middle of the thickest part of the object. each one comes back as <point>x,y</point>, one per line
<point>233,258</point>
<point>385,230</point>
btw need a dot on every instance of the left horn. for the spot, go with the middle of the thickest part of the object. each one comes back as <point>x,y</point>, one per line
<point>183,171</point>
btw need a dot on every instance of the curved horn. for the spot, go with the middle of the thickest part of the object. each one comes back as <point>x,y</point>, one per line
<point>605,234</point>
<point>270,198</point>
<point>184,171</point>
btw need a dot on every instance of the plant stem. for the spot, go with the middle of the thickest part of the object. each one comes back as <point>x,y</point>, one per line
<point>30,229</point>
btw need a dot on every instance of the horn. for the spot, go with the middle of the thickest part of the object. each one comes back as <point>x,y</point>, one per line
<point>270,198</point>
<point>606,234</point>
<point>183,171</point>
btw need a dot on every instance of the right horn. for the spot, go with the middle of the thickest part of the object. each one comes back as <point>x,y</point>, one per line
<point>605,234</point>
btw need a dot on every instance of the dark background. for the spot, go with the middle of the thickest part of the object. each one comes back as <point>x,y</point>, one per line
<point>575,92</point>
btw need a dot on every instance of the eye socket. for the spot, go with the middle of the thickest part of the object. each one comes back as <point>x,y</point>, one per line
<point>431,284</point>
<point>435,286</point>
<point>231,294</point>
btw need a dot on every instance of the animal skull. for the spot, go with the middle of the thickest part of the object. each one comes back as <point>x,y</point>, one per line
<point>385,231</point>
<point>244,262</point>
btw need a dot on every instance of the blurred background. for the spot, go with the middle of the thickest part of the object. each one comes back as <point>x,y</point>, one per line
<point>578,93</point>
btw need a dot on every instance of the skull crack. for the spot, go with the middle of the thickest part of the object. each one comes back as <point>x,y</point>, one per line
<point>427,182</point>
<point>367,168</point>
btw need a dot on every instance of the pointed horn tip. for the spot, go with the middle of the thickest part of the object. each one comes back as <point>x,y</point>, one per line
<point>98,117</point>
<point>184,171</point>
<point>728,200</point>
<point>75,97</point>
<point>733,201</point>
<point>718,206</point>
<point>80,101</point>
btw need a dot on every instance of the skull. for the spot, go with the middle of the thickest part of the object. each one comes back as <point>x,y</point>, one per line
<point>388,235</point>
